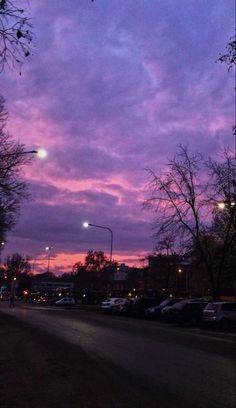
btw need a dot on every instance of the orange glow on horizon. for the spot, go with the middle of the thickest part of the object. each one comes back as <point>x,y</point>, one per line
<point>63,262</point>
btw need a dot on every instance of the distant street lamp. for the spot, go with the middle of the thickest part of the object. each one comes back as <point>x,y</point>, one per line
<point>49,250</point>
<point>86,225</point>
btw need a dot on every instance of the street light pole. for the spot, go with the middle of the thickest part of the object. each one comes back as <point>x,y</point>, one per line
<point>86,225</point>
<point>179,271</point>
<point>2,245</point>
<point>40,153</point>
<point>49,249</point>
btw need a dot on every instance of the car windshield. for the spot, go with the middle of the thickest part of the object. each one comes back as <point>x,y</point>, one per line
<point>210,306</point>
<point>180,305</point>
<point>165,302</point>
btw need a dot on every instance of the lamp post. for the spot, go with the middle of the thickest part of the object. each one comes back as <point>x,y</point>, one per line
<point>87,224</point>
<point>49,250</point>
<point>2,245</point>
<point>179,271</point>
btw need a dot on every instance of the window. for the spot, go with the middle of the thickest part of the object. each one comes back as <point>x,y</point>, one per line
<point>229,306</point>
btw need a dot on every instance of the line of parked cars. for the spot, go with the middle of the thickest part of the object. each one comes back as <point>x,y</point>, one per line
<point>64,301</point>
<point>133,306</point>
<point>176,310</point>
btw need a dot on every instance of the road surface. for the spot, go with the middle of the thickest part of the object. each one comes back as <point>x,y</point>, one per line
<point>129,362</point>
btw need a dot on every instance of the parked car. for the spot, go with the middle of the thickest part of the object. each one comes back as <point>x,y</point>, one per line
<point>140,305</point>
<point>122,307</point>
<point>220,314</point>
<point>190,313</point>
<point>185,311</point>
<point>155,311</point>
<point>108,304</point>
<point>66,301</point>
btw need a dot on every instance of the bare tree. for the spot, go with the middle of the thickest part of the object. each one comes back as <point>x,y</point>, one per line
<point>185,199</point>
<point>15,35</point>
<point>18,264</point>
<point>12,189</point>
<point>166,243</point>
<point>95,261</point>
<point>229,58</point>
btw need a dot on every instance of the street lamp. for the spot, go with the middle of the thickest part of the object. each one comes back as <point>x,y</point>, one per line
<point>49,250</point>
<point>87,224</point>
<point>41,153</point>
<point>229,202</point>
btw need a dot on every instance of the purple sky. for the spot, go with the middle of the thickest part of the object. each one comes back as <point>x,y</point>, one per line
<point>113,87</point>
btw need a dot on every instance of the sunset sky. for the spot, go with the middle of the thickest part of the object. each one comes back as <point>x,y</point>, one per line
<point>112,88</point>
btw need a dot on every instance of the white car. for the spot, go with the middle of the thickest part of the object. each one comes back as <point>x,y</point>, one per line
<point>65,301</point>
<point>108,304</point>
<point>220,314</point>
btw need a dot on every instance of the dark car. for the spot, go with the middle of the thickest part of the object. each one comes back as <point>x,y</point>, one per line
<point>140,305</point>
<point>182,311</point>
<point>189,312</point>
<point>155,311</point>
<point>123,308</point>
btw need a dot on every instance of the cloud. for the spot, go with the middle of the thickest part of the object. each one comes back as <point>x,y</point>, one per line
<point>112,89</point>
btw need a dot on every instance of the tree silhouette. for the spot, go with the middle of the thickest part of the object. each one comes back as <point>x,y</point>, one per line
<point>186,205</point>
<point>229,58</point>
<point>16,37</point>
<point>12,189</point>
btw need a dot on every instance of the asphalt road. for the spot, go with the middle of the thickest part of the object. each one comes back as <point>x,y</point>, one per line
<point>137,363</point>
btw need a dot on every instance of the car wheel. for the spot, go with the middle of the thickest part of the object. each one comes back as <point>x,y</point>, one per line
<point>224,324</point>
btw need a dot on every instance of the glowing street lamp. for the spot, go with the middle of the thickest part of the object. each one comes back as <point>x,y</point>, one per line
<point>230,203</point>
<point>221,206</point>
<point>87,224</point>
<point>41,153</point>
